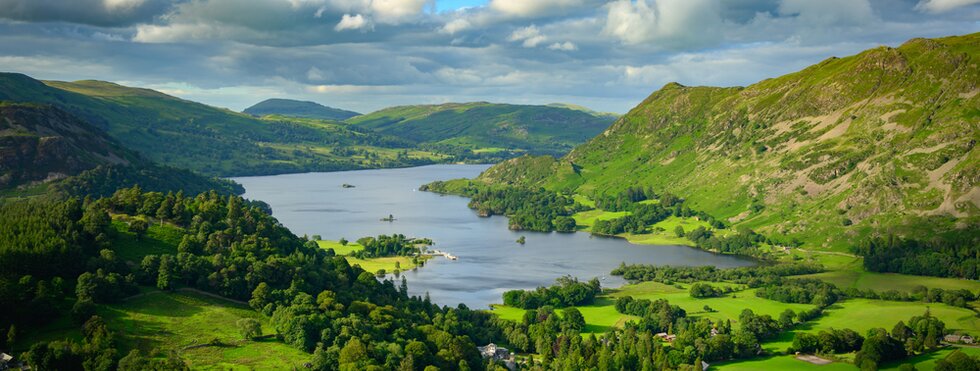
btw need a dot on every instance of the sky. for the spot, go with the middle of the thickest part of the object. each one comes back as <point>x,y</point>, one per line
<point>364,55</point>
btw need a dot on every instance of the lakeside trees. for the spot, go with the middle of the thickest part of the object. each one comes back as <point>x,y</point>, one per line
<point>567,291</point>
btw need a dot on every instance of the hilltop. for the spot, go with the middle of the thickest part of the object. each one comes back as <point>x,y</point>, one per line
<point>482,126</point>
<point>296,108</point>
<point>873,144</point>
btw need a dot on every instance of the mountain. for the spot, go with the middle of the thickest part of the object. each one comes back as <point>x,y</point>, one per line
<point>213,141</point>
<point>878,143</point>
<point>485,126</point>
<point>43,146</point>
<point>296,108</point>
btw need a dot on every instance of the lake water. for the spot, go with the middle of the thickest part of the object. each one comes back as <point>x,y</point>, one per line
<point>490,261</point>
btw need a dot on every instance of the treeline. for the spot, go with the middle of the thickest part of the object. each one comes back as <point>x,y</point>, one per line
<point>950,258</point>
<point>801,291</point>
<point>752,276</point>
<point>104,180</point>
<point>231,247</point>
<point>393,245</point>
<point>526,209</point>
<point>642,215</point>
<point>567,291</point>
<point>920,334</point>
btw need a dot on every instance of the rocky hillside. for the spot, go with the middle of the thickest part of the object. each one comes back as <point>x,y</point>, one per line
<point>485,126</point>
<point>882,142</point>
<point>43,146</point>
<point>296,108</point>
<point>42,143</point>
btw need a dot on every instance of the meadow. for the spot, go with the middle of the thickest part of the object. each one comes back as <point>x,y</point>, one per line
<point>388,263</point>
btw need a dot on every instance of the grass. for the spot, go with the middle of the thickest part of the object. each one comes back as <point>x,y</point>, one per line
<point>159,322</point>
<point>340,249</point>
<point>159,239</point>
<point>778,363</point>
<point>602,316</point>
<point>373,265</point>
<point>891,281</point>
<point>862,315</point>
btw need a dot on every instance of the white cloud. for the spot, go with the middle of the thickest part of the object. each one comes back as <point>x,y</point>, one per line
<point>942,6</point>
<point>671,23</point>
<point>455,25</point>
<point>530,36</point>
<point>396,11</point>
<point>116,5</point>
<point>314,74</point>
<point>534,8</point>
<point>352,22</point>
<point>565,46</point>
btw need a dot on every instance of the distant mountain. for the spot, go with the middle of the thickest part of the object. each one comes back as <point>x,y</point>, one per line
<point>214,141</point>
<point>296,108</point>
<point>609,115</point>
<point>485,126</point>
<point>43,146</point>
<point>883,142</point>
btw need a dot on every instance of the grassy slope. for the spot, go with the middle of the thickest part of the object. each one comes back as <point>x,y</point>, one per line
<point>486,126</point>
<point>206,139</point>
<point>882,139</point>
<point>157,322</point>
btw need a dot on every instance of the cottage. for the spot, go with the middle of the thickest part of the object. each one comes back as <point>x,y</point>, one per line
<point>492,351</point>
<point>666,337</point>
<point>967,339</point>
<point>952,338</point>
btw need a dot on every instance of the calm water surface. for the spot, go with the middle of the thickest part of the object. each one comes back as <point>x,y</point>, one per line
<point>490,262</point>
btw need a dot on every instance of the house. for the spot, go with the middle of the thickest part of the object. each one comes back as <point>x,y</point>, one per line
<point>492,351</point>
<point>704,366</point>
<point>666,337</point>
<point>967,339</point>
<point>714,332</point>
<point>952,338</point>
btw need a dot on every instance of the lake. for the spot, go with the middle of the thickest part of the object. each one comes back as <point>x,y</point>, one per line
<point>490,261</point>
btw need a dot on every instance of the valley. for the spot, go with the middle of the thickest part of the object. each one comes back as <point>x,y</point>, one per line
<point>827,218</point>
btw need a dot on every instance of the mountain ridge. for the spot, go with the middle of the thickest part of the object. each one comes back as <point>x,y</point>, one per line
<point>298,108</point>
<point>847,148</point>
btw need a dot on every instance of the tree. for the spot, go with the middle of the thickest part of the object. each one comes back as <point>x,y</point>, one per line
<point>354,353</point>
<point>343,241</point>
<point>573,319</point>
<point>521,240</point>
<point>679,231</point>
<point>11,335</point>
<point>139,227</point>
<point>250,328</point>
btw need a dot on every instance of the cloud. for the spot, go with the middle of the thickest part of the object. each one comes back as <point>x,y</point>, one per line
<point>535,8</point>
<point>456,25</point>
<point>670,23</point>
<point>396,11</point>
<point>825,12</point>
<point>565,46</point>
<point>111,13</point>
<point>355,22</point>
<point>942,6</point>
<point>530,36</point>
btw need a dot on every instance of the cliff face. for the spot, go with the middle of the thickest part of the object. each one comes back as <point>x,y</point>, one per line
<point>42,143</point>
<point>880,142</point>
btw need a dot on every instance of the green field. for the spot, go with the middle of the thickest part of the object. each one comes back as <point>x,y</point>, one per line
<point>158,322</point>
<point>388,264</point>
<point>159,239</point>
<point>779,363</point>
<point>602,316</point>
<point>891,281</point>
<point>862,315</point>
